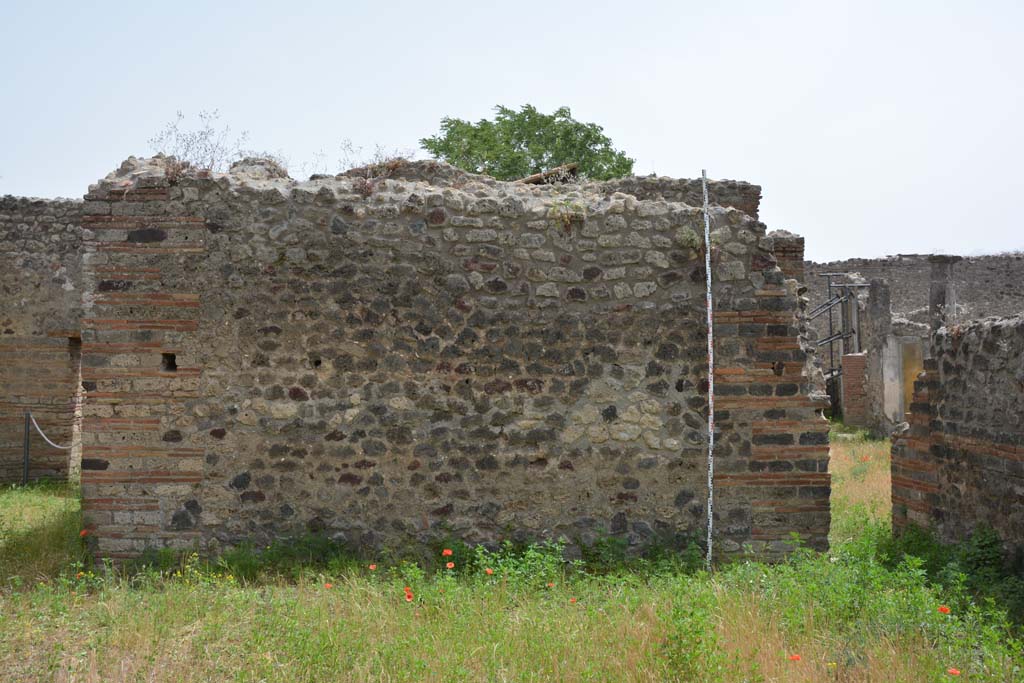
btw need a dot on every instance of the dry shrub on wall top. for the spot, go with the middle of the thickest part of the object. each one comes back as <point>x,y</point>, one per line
<point>368,171</point>
<point>206,147</point>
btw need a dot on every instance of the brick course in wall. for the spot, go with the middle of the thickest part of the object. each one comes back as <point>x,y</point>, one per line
<point>961,462</point>
<point>395,360</point>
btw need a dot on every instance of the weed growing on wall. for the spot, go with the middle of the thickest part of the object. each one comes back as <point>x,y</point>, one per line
<point>206,145</point>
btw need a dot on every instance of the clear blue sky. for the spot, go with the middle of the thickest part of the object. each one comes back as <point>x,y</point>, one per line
<point>873,127</point>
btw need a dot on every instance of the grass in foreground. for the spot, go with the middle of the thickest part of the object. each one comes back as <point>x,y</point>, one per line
<point>39,527</point>
<point>863,612</point>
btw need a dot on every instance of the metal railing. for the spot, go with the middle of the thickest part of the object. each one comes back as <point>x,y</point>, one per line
<point>30,422</point>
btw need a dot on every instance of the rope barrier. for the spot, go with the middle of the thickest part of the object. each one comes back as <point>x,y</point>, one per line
<point>711,367</point>
<point>45,438</point>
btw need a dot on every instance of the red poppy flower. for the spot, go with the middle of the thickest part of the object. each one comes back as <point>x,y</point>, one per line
<point>373,567</point>
<point>450,565</point>
<point>572,600</point>
<point>328,586</point>
<point>83,533</point>
<point>408,589</point>
<point>489,571</point>
<point>447,552</point>
<point>408,597</point>
<point>944,609</point>
<point>794,658</point>
<point>953,672</point>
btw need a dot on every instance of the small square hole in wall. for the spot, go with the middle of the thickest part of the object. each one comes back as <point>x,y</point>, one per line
<point>168,362</point>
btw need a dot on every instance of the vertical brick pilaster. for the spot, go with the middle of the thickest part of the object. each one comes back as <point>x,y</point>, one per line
<point>141,471</point>
<point>855,398</point>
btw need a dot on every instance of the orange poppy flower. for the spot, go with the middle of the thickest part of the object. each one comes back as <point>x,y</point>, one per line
<point>328,586</point>
<point>489,571</point>
<point>794,658</point>
<point>953,672</point>
<point>83,533</point>
<point>373,567</point>
<point>447,552</point>
<point>572,600</point>
<point>408,589</point>
<point>79,575</point>
<point>551,585</point>
<point>944,609</point>
<point>450,565</point>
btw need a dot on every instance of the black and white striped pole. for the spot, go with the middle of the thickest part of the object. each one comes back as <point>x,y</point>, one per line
<point>711,368</point>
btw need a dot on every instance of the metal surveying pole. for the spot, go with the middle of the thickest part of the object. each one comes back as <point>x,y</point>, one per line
<point>24,461</point>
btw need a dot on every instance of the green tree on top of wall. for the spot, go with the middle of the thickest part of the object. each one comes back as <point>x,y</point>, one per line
<point>520,143</point>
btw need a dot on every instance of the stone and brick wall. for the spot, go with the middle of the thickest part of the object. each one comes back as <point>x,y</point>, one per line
<point>789,252</point>
<point>961,463</point>
<point>40,306</point>
<point>392,360</point>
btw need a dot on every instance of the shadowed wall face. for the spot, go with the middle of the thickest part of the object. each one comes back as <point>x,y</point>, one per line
<point>962,462</point>
<point>40,309</point>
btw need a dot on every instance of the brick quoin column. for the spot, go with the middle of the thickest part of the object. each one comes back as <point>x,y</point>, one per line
<point>139,473</point>
<point>855,399</point>
<point>781,475</point>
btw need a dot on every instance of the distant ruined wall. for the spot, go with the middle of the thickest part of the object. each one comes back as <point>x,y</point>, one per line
<point>961,463</point>
<point>394,360</point>
<point>983,285</point>
<point>40,309</point>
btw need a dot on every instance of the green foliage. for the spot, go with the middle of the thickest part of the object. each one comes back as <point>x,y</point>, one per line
<point>691,646</point>
<point>978,565</point>
<point>520,143</point>
<point>535,565</point>
<point>292,559</point>
<point>849,433</point>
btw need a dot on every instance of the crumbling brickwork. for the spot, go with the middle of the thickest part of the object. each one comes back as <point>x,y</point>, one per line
<point>40,287</point>
<point>394,359</point>
<point>789,253</point>
<point>961,463</point>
